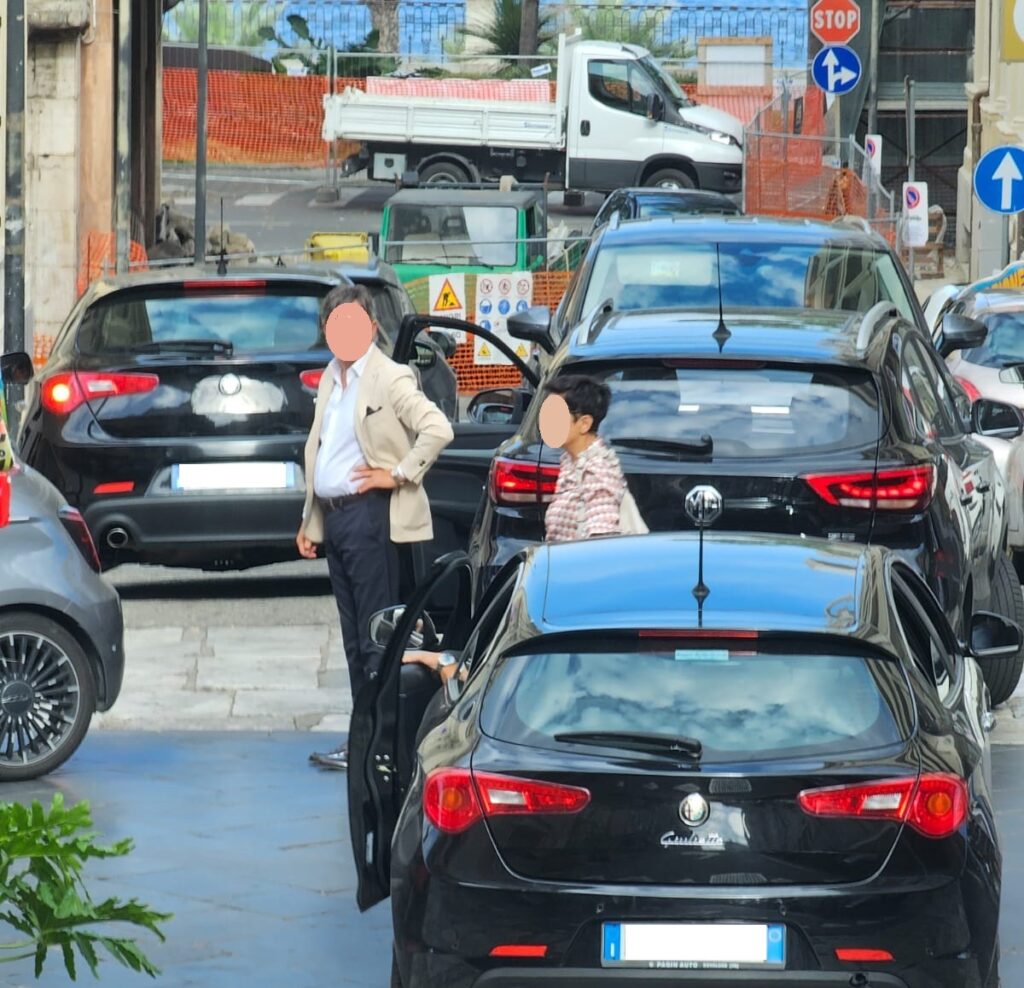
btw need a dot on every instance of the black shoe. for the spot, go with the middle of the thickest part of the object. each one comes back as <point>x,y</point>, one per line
<point>337,759</point>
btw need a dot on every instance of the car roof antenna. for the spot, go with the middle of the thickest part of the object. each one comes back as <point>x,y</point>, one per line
<point>703,505</point>
<point>721,334</point>
<point>222,262</point>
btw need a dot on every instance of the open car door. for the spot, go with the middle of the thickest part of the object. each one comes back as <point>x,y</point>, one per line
<point>385,717</point>
<point>457,481</point>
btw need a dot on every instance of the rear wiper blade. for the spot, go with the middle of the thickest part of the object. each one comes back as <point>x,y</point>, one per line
<point>668,743</point>
<point>701,447</point>
<point>225,347</point>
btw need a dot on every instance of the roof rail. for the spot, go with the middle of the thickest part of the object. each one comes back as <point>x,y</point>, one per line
<point>854,222</point>
<point>873,318</point>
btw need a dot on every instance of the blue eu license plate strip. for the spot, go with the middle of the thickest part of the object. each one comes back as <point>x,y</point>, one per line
<point>693,946</point>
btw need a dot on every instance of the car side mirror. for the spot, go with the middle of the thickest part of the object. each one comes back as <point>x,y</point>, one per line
<point>445,341</point>
<point>16,367</point>
<point>960,333</point>
<point>501,406</point>
<point>533,326</point>
<point>426,356</point>
<point>994,636</point>
<point>384,623</point>
<point>997,419</point>
<point>655,107</point>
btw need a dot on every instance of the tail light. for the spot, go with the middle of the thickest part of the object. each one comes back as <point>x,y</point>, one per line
<point>935,805</point>
<point>972,392</point>
<point>899,489</point>
<point>115,487</point>
<point>311,378</point>
<point>62,393</point>
<point>456,798</point>
<point>76,527</point>
<point>5,500</point>
<point>520,950</point>
<point>518,482</point>
<point>224,285</point>
<point>863,955</point>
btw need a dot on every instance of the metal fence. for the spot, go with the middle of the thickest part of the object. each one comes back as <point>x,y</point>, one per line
<point>437,29</point>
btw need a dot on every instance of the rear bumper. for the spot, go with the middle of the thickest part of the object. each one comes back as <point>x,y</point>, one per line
<point>200,526</point>
<point>584,977</point>
<point>720,178</point>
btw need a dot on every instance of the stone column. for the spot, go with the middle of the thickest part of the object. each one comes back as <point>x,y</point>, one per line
<point>96,166</point>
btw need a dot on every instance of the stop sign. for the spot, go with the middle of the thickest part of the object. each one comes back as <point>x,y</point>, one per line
<point>835,22</point>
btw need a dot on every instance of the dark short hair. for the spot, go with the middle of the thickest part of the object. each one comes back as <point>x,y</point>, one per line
<point>343,294</point>
<point>584,396</point>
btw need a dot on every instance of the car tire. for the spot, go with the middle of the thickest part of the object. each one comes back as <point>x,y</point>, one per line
<point>443,173</point>
<point>396,977</point>
<point>47,695</point>
<point>669,178</point>
<point>1002,675</point>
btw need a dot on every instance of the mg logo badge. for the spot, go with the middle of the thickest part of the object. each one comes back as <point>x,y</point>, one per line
<point>703,506</point>
<point>694,810</point>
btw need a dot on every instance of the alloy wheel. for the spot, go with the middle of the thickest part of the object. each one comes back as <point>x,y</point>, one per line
<point>40,697</point>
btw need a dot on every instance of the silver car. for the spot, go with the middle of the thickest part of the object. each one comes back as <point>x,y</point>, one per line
<point>61,629</point>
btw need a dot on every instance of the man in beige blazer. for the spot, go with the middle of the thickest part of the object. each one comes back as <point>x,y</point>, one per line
<point>374,437</point>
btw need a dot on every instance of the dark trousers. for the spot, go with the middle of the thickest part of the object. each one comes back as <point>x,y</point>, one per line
<point>364,569</point>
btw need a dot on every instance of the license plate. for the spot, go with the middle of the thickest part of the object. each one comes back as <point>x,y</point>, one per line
<point>232,476</point>
<point>693,946</point>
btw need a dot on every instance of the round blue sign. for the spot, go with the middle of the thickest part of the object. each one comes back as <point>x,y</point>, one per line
<point>999,180</point>
<point>522,305</point>
<point>836,69</point>
<point>486,324</point>
<point>486,306</point>
<point>503,307</point>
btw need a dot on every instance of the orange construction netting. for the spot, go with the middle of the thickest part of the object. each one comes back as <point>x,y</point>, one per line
<point>99,257</point>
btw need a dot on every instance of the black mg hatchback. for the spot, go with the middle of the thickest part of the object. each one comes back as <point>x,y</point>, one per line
<point>787,783</point>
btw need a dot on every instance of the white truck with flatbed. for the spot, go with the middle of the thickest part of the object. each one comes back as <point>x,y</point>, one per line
<point>618,119</point>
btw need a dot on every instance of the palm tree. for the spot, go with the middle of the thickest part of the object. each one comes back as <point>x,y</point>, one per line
<point>613,20</point>
<point>503,32</point>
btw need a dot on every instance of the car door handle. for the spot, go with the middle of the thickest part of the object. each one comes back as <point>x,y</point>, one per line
<point>585,128</point>
<point>966,498</point>
<point>983,488</point>
<point>988,721</point>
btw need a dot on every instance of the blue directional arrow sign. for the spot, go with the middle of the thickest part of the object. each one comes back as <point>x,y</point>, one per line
<point>836,69</point>
<point>999,180</point>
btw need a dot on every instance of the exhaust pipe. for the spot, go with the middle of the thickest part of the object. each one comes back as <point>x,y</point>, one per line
<point>117,538</point>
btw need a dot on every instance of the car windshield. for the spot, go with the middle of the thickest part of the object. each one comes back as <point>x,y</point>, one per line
<point>251,320</point>
<point>1005,341</point>
<point>484,235</point>
<point>748,411</point>
<point>656,72</point>
<point>681,275</point>
<point>734,703</point>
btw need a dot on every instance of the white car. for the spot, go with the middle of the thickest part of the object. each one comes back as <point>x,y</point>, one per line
<point>935,302</point>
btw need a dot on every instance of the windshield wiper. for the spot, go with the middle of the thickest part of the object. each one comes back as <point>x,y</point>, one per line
<point>656,743</point>
<point>225,347</point>
<point>701,447</point>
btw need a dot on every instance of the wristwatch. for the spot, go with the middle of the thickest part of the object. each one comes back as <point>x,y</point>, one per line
<point>446,659</point>
<point>397,476</point>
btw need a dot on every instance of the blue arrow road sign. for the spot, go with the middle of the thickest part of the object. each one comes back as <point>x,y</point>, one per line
<point>999,180</point>
<point>836,69</point>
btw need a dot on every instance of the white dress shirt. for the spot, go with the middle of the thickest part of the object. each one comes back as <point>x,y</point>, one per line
<point>340,452</point>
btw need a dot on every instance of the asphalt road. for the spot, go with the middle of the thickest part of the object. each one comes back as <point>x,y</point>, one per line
<point>249,848</point>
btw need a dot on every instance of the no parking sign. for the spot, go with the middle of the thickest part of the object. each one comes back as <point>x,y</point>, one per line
<point>915,213</point>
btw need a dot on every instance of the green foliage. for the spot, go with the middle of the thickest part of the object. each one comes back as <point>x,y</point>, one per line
<point>503,30</point>
<point>314,54</point>
<point>614,20</point>
<point>229,25</point>
<point>42,895</point>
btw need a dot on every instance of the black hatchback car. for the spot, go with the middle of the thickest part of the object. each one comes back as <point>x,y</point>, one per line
<point>833,425</point>
<point>785,784</point>
<point>175,405</point>
<point>646,202</point>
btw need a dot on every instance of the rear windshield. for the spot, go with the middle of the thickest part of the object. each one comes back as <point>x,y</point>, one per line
<point>485,235</point>
<point>774,276</point>
<point>250,320</point>
<point>735,703</point>
<point>1004,344</point>
<point>684,206</point>
<point>749,412</point>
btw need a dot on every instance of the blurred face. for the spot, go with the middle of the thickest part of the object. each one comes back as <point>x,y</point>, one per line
<point>349,332</point>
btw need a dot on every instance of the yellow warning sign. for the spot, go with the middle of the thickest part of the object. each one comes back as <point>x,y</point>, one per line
<point>447,299</point>
<point>521,351</point>
<point>483,351</point>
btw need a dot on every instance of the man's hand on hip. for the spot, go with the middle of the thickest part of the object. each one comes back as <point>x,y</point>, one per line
<point>372,478</point>
<point>306,546</point>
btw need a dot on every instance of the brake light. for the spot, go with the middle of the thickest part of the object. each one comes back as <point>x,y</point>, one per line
<point>62,393</point>
<point>115,487</point>
<point>935,805</point>
<point>972,392</point>
<point>696,633</point>
<point>5,500</point>
<point>898,489</point>
<point>520,950</point>
<point>455,798</point>
<point>223,285</point>
<point>862,955</point>
<point>517,482</point>
<point>311,378</point>
<point>74,523</point>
